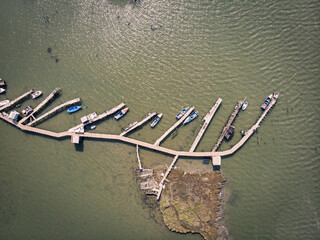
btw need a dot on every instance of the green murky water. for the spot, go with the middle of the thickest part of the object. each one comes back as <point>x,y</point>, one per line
<point>161,55</point>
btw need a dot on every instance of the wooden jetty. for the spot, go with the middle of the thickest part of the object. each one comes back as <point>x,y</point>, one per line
<point>138,157</point>
<point>138,124</point>
<point>175,159</point>
<point>160,139</point>
<point>230,121</point>
<point>146,145</point>
<point>207,120</point>
<point>41,105</point>
<point>53,111</point>
<point>252,130</point>
<point>17,100</point>
<point>100,117</point>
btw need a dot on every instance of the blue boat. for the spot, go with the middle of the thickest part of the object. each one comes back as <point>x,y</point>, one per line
<point>182,112</point>
<point>74,109</point>
<point>121,113</point>
<point>266,102</point>
<point>191,117</point>
<point>156,120</point>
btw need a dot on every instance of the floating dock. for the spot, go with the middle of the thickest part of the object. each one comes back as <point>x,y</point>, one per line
<point>160,139</point>
<point>230,121</point>
<point>207,120</point>
<point>17,100</point>
<point>100,117</point>
<point>53,111</point>
<point>41,105</point>
<point>148,117</point>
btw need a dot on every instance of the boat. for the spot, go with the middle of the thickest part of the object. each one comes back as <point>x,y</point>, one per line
<point>266,102</point>
<point>121,113</point>
<point>74,109</point>
<point>191,117</point>
<point>2,90</point>
<point>27,111</point>
<point>93,127</point>
<point>244,106</point>
<point>182,112</point>
<point>156,120</point>
<point>2,83</point>
<point>130,126</point>
<point>4,102</point>
<point>36,94</point>
<point>17,105</point>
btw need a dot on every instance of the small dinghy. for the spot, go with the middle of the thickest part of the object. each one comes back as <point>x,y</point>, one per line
<point>36,94</point>
<point>121,113</point>
<point>74,109</point>
<point>156,120</point>
<point>2,90</point>
<point>191,117</point>
<point>182,112</point>
<point>244,106</point>
<point>93,127</point>
<point>4,102</point>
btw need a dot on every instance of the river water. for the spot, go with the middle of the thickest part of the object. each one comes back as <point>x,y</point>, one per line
<point>161,55</point>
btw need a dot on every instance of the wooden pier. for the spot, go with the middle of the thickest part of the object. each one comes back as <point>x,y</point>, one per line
<point>207,120</point>
<point>160,139</point>
<point>100,117</point>
<point>17,100</point>
<point>148,117</point>
<point>252,130</point>
<point>53,111</point>
<point>230,121</point>
<point>41,105</point>
<point>138,157</point>
<point>166,175</point>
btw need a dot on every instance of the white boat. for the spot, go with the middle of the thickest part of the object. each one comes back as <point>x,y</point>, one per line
<point>93,127</point>
<point>4,102</point>
<point>2,90</point>
<point>36,94</point>
<point>244,106</point>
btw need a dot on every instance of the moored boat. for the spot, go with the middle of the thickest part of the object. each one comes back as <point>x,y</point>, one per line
<point>2,90</point>
<point>121,113</point>
<point>2,83</point>
<point>74,109</point>
<point>266,102</point>
<point>156,120</point>
<point>93,127</point>
<point>4,102</point>
<point>36,94</point>
<point>244,106</point>
<point>182,112</point>
<point>27,111</point>
<point>191,117</point>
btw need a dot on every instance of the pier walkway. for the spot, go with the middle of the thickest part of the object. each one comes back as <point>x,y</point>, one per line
<point>230,121</point>
<point>41,105</point>
<point>53,111</point>
<point>145,144</point>
<point>207,120</point>
<point>18,99</point>
<point>100,117</point>
<point>160,139</point>
<point>252,129</point>
<point>148,117</point>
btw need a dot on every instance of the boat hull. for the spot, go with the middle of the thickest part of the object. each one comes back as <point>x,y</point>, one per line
<point>74,109</point>
<point>156,120</point>
<point>182,112</point>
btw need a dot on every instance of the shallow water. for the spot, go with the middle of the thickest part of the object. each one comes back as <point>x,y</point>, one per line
<point>161,55</point>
